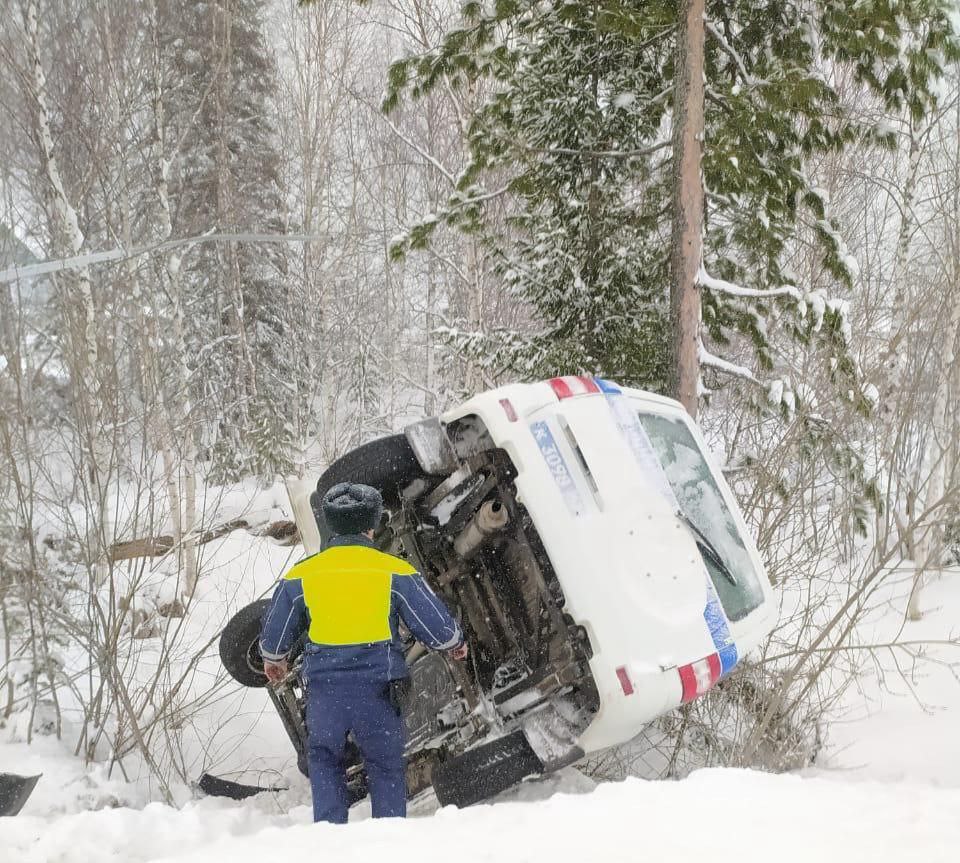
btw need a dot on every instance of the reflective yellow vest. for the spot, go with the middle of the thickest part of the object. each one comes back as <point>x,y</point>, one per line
<point>347,592</point>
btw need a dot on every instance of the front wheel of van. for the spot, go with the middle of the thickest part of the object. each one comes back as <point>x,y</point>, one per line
<point>486,771</point>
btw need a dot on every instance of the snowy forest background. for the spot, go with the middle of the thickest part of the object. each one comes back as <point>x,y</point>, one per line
<point>326,221</point>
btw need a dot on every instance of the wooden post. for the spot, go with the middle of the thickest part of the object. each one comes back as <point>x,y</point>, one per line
<point>686,252</point>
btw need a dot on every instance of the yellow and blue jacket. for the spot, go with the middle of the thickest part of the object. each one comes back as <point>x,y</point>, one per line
<point>349,599</point>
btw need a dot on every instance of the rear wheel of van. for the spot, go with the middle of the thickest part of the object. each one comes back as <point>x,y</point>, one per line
<point>388,464</point>
<point>240,645</point>
<point>486,771</point>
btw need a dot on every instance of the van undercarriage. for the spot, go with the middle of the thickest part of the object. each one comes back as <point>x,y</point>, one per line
<point>519,703</point>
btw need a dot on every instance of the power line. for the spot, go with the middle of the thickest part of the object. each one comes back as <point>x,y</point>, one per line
<point>15,273</point>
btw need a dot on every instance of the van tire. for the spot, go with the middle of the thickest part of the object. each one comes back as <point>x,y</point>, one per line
<point>240,645</point>
<point>388,464</point>
<point>486,771</point>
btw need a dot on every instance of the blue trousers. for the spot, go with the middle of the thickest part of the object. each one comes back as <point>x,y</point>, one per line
<point>361,707</point>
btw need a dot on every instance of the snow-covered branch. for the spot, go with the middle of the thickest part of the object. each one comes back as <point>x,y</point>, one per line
<point>704,279</point>
<point>420,151</point>
<point>602,154</point>
<point>722,365</point>
<point>730,51</point>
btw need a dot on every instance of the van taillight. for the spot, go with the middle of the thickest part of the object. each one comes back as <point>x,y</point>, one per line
<point>508,410</point>
<point>698,677</point>
<point>626,684</point>
<point>573,385</point>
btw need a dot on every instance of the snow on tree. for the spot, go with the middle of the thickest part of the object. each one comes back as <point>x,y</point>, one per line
<point>226,177</point>
<point>574,134</point>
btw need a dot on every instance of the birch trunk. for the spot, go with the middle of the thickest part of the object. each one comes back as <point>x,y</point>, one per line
<point>934,467</point>
<point>472,268</point>
<point>177,413</point>
<point>940,446</point>
<point>892,363</point>
<point>74,297</point>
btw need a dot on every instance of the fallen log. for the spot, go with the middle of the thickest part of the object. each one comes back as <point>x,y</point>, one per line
<point>284,532</point>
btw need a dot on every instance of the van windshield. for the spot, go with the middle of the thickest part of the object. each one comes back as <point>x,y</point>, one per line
<point>701,501</point>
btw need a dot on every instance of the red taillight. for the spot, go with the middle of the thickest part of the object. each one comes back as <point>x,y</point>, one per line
<point>508,410</point>
<point>698,677</point>
<point>625,683</point>
<point>573,385</point>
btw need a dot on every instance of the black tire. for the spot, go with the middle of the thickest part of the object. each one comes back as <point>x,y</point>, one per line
<point>240,645</point>
<point>388,464</point>
<point>485,771</point>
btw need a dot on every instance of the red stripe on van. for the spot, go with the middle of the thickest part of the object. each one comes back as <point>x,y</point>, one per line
<point>698,677</point>
<point>573,385</point>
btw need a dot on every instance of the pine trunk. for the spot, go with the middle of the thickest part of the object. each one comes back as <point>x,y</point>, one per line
<point>686,250</point>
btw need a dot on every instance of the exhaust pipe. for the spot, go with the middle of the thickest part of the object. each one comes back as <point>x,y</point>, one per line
<point>490,518</point>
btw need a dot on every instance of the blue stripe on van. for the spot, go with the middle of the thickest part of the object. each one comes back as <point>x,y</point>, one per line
<point>720,630</point>
<point>606,386</point>
<point>628,422</point>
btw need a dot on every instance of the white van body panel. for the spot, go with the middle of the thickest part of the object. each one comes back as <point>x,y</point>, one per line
<point>630,569</point>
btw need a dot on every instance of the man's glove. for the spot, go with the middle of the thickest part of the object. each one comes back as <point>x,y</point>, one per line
<point>275,671</point>
<point>461,651</point>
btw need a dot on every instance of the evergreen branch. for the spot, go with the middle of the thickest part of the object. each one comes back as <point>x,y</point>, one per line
<point>705,280</point>
<point>722,365</point>
<point>731,52</point>
<point>479,198</point>
<point>570,151</point>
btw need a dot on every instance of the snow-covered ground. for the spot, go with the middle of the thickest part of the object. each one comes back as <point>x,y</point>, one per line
<point>714,815</point>
<point>901,723</point>
<point>888,787</point>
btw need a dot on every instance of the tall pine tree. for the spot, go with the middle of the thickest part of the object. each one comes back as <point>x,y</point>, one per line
<point>226,177</point>
<point>579,127</point>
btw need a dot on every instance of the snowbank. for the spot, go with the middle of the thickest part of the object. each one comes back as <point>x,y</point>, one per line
<point>901,720</point>
<point>714,815</point>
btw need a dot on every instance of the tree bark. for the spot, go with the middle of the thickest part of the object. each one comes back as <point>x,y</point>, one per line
<point>77,309</point>
<point>686,246</point>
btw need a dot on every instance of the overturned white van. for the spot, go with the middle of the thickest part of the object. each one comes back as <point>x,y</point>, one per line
<point>595,556</point>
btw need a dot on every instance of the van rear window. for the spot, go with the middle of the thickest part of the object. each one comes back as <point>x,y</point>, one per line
<point>699,496</point>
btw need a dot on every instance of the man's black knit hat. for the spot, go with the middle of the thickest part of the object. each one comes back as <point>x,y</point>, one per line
<point>350,508</point>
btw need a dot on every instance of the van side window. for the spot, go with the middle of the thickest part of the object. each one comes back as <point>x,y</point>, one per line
<point>700,498</point>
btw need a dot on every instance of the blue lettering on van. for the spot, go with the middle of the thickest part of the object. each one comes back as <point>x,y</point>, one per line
<point>720,630</point>
<point>625,416</point>
<point>557,466</point>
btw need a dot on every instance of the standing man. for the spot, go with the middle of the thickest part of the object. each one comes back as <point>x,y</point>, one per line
<point>349,598</point>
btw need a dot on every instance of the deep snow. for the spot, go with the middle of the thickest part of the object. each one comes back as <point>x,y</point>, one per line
<point>714,815</point>
<point>888,787</point>
<point>901,722</point>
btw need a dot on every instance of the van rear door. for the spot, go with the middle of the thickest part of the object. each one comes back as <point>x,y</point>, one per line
<point>628,565</point>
